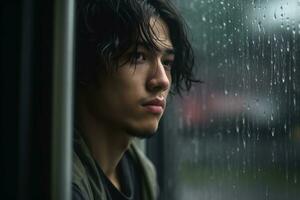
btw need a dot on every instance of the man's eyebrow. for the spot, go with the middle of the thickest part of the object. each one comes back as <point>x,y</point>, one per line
<point>169,51</point>
<point>146,45</point>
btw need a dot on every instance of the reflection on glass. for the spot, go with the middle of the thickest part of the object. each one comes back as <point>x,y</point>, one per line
<point>237,135</point>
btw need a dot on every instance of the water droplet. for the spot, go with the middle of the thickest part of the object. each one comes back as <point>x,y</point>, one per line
<point>256,102</point>
<point>248,107</point>
<point>203,18</point>
<point>259,26</point>
<point>225,92</point>
<point>285,127</point>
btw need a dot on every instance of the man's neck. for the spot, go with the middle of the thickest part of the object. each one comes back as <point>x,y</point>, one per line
<point>107,148</point>
<point>107,145</point>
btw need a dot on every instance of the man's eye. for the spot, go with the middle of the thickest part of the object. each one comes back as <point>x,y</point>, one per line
<point>138,57</point>
<point>168,64</point>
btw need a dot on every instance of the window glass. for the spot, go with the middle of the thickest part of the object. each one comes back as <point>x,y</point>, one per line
<point>237,135</point>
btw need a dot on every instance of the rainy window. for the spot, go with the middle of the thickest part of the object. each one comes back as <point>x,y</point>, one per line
<point>237,135</point>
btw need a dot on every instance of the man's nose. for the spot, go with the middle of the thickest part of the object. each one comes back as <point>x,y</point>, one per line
<point>160,78</point>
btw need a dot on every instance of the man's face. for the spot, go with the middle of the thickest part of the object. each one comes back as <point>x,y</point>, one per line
<point>133,97</point>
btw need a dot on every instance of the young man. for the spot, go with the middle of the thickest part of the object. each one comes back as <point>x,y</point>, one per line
<point>129,53</point>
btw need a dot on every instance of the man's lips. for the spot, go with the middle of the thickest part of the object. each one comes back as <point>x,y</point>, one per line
<point>155,106</point>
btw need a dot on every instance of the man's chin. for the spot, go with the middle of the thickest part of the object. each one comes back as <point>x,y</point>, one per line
<point>142,134</point>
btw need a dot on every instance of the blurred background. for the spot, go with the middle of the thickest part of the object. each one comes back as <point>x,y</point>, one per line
<point>237,135</point>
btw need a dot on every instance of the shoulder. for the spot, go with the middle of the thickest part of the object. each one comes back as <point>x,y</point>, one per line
<point>80,183</point>
<point>77,193</point>
<point>148,170</point>
<point>79,174</point>
<point>140,156</point>
<point>85,174</point>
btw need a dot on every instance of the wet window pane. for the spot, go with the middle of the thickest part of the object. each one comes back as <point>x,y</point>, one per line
<point>237,135</point>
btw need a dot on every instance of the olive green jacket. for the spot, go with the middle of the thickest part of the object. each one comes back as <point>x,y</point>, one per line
<point>87,177</point>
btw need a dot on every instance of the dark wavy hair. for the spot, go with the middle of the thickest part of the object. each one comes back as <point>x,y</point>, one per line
<point>106,29</point>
